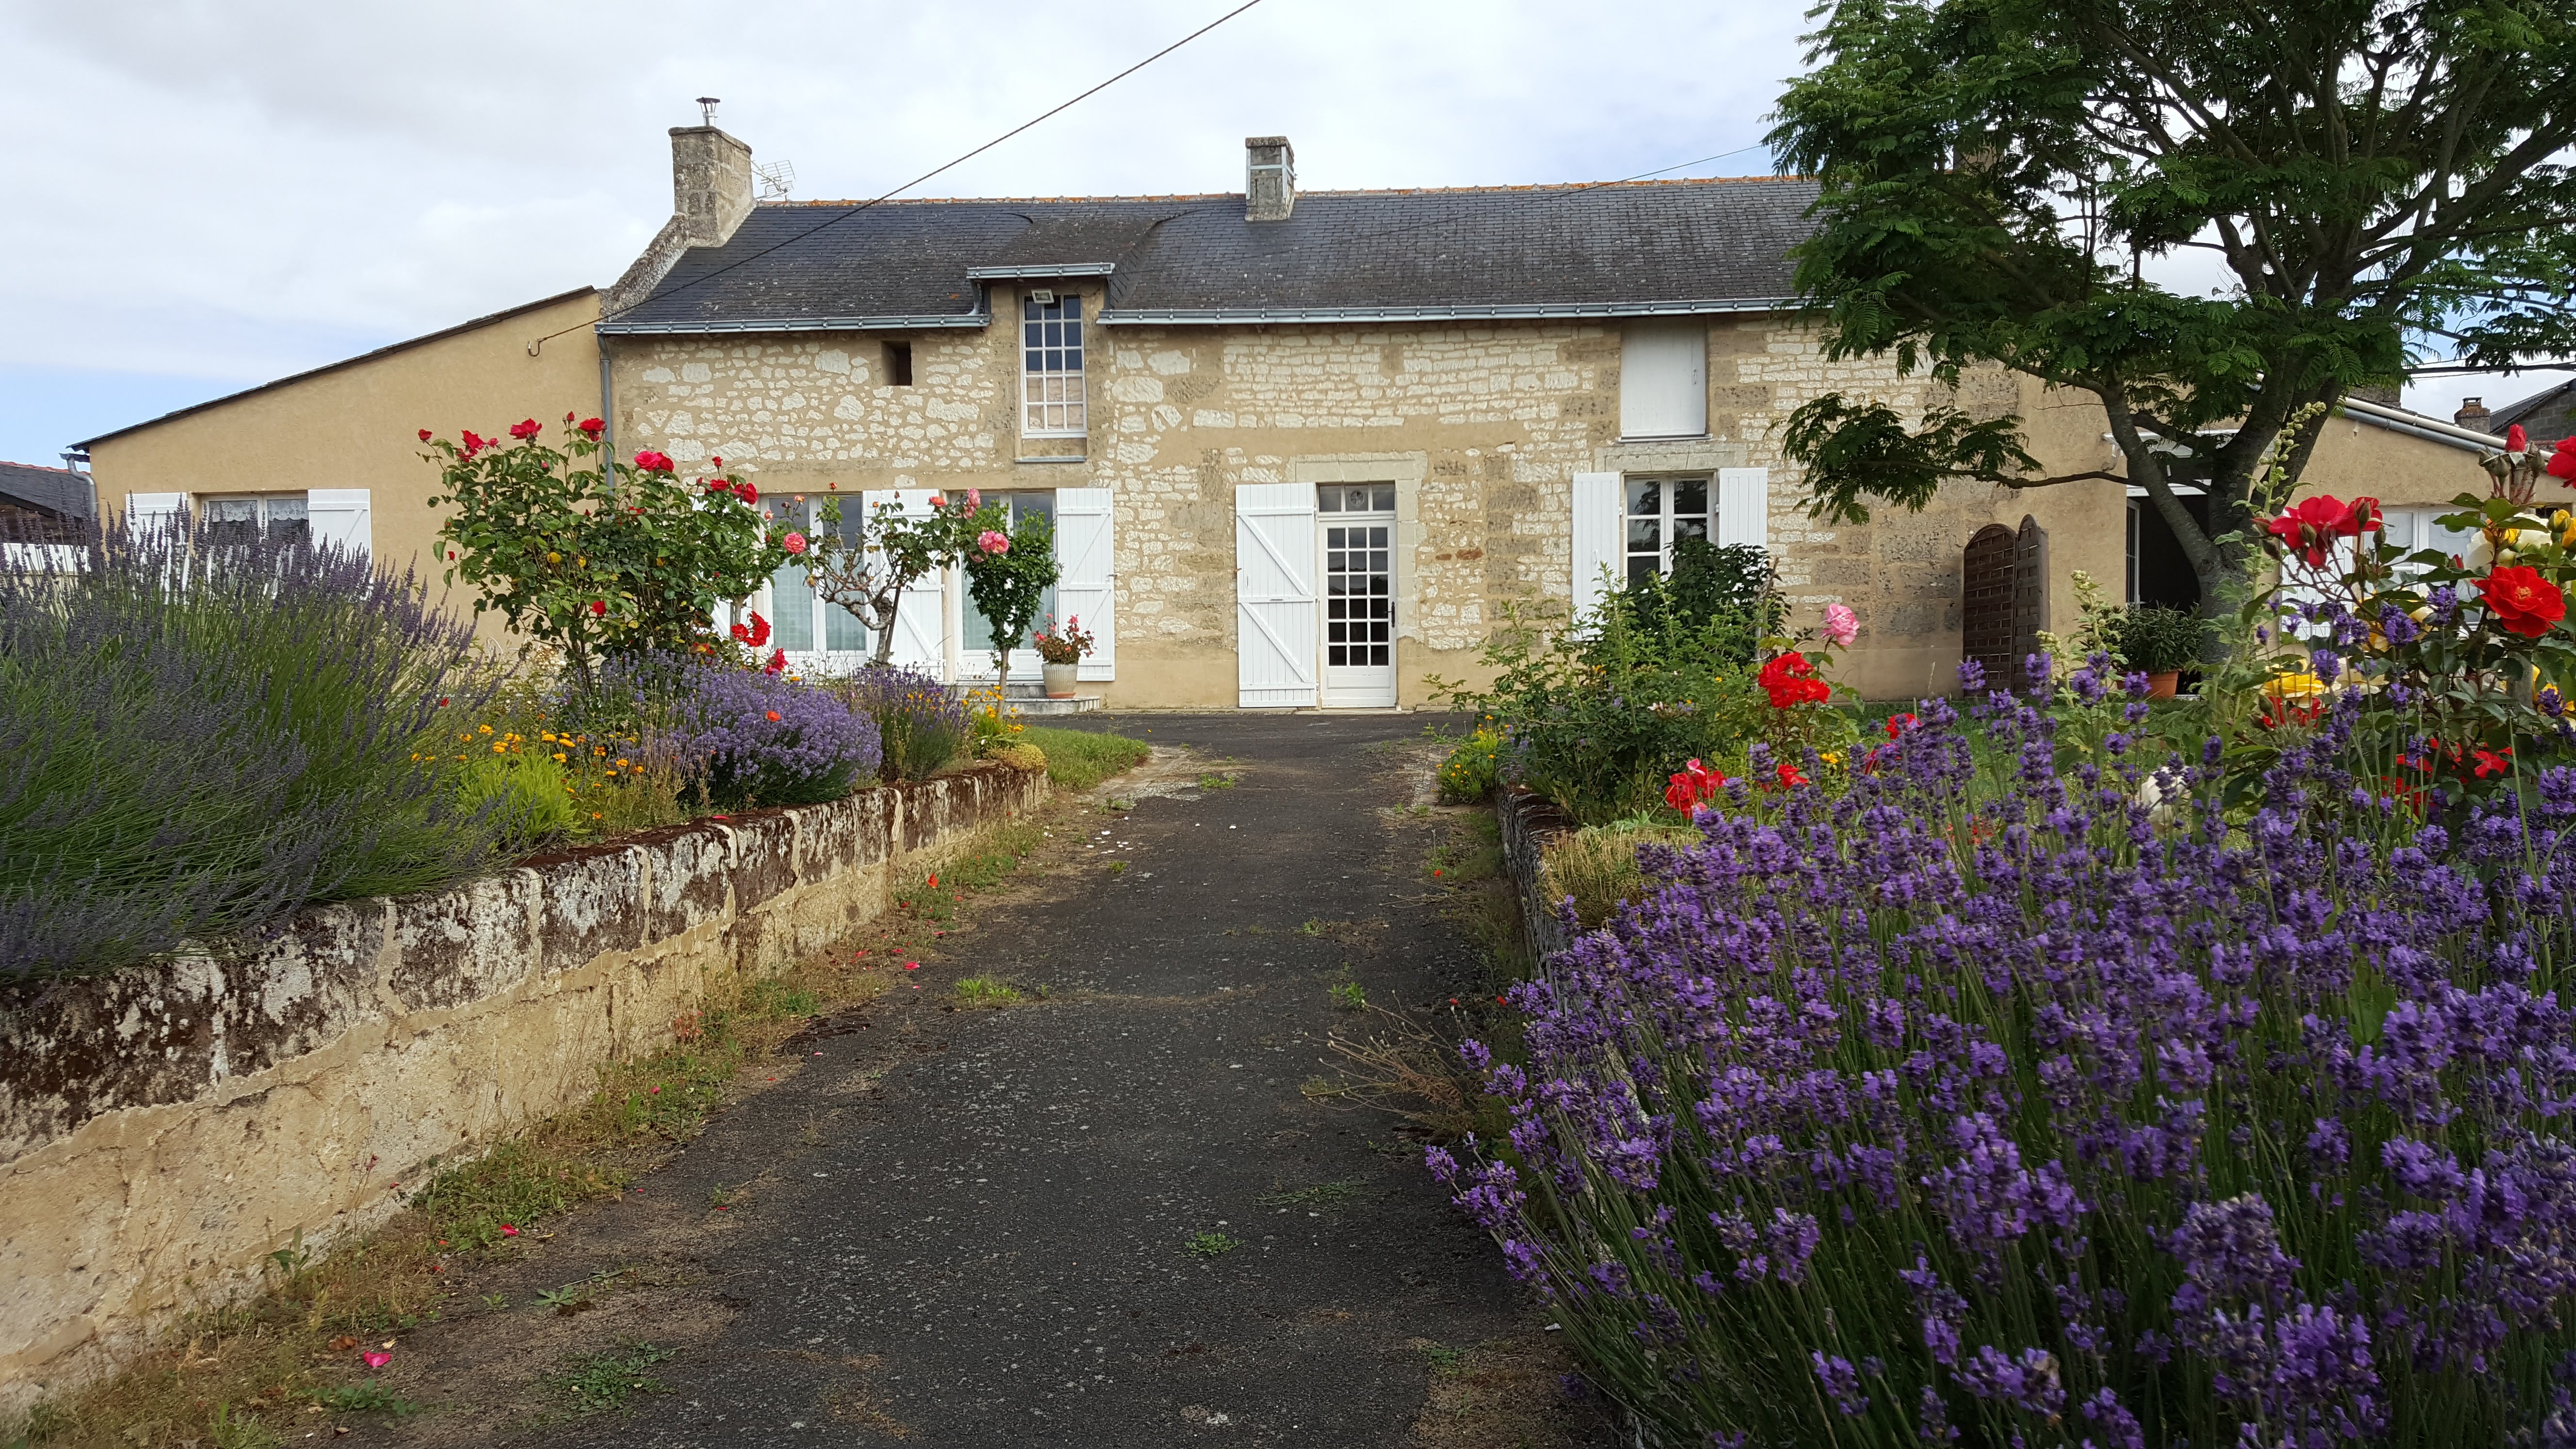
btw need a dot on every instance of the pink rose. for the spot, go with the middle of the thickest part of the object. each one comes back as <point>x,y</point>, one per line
<point>1842,626</point>
<point>974,497</point>
<point>993,542</point>
<point>793,543</point>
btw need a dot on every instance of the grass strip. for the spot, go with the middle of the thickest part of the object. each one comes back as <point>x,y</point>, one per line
<point>1080,759</point>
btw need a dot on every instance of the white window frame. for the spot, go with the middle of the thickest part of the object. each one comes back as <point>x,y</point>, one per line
<point>1053,403</point>
<point>262,520</point>
<point>1665,517</point>
<point>819,658</point>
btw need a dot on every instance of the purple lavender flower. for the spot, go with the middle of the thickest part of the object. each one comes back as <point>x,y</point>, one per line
<point>763,739</point>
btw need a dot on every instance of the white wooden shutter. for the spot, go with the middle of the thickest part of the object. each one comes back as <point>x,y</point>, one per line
<point>1663,379</point>
<point>154,510</point>
<point>1600,536</point>
<point>921,616</point>
<point>1086,585</point>
<point>1276,612</point>
<point>339,516</point>
<point>1744,507</point>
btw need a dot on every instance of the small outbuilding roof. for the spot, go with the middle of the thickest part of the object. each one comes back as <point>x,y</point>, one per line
<point>57,491</point>
<point>1612,250</point>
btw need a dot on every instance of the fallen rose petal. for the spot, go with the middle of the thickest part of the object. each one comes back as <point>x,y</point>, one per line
<point>508,1231</point>
<point>375,1359</point>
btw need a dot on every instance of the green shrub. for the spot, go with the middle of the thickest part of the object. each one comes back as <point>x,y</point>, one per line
<point>1473,768</point>
<point>2152,639</point>
<point>525,791</point>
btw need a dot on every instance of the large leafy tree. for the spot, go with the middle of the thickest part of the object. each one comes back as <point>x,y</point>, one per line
<point>2373,180</point>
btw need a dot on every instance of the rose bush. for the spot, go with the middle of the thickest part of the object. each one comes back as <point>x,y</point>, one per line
<point>595,560</point>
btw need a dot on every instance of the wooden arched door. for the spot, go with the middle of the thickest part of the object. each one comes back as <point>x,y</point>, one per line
<point>2004,604</point>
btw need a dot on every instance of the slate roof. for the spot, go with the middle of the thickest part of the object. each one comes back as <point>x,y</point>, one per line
<point>1621,249</point>
<point>58,491</point>
<point>2545,417</point>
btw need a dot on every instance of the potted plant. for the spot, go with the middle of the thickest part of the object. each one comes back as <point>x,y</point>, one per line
<point>2158,642</point>
<point>1060,651</point>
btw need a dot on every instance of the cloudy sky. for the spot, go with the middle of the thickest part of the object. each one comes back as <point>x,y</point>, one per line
<point>212,193</point>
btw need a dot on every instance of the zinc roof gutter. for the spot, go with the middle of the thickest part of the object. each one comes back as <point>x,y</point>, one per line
<point>2398,420</point>
<point>1471,312</point>
<point>921,323</point>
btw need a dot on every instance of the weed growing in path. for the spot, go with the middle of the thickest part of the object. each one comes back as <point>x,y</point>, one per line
<point>368,1397</point>
<point>601,1381</point>
<point>1211,780</point>
<point>1117,867</point>
<point>1211,1245</point>
<point>986,991</point>
<point>1348,996</point>
<point>1321,1195</point>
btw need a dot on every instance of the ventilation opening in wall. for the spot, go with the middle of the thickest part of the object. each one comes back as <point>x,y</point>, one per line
<point>898,364</point>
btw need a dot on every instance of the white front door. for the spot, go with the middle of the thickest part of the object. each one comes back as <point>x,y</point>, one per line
<point>1356,528</point>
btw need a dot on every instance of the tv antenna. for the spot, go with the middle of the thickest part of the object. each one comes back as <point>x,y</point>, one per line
<point>776,179</point>
<point>707,109</point>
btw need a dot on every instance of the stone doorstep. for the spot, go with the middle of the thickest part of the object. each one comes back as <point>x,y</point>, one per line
<point>1079,704</point>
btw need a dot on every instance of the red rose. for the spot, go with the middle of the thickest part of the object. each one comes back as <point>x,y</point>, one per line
<point>2310,529</point>
<point>474,444</point>
<point>746,492</point>
<point>567,417</point>
<point>652,462</point>
<point>424,435</point>
<point>2515,440</point>
<point>2562,464</point>
<point>1898,724</point>
<point>1790,776</point>
<point>524,430</point>
<point>777,662</point>
<point>592,426</point>
<point>1791,680</point>
<point>2522,601</point>
<point>599,606</point>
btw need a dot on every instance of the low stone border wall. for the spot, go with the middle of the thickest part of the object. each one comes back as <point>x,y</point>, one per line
<point>1529,821</point>
<point>163,1130</point>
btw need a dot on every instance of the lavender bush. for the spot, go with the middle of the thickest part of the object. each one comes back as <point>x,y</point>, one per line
<point>763,739</point>
<point>200,740</point>
<point>2069,1112</point>
<point>922,726</point>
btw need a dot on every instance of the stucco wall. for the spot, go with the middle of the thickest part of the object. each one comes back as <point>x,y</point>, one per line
<point>162,1130</point>
<point>1481,425</point>
<point>357,425</point>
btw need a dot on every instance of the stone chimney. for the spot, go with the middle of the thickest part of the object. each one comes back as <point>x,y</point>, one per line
<point>1269,178</point>
<point>2472,414</point>
<point>710,184</point>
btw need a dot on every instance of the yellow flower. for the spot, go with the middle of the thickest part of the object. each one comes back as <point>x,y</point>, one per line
<point>553,557</point>
<point>2295,685</point>
<point>500,749</point>
<point>486,729</point>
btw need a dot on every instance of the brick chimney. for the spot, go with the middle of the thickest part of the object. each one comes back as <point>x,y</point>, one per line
<point>710,184</point>
<point>2472,414</point>
<point>1269,178</point>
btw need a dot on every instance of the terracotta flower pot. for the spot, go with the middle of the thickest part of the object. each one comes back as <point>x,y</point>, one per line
<point>2160,685</point>
<point>1059,679</point>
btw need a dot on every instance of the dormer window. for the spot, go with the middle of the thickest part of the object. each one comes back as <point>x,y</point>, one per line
<point>1051,366</point>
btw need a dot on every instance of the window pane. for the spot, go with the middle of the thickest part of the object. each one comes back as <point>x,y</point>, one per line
<point>1328,500</point>
<point>1689,528</point>
<point>1645,498</point>
<point>1690,495</point>
<point>1382,498</point>
<point>842,630</point>
<point>1643,566</point>
<point>1645,535</point>
<point>793,598</point>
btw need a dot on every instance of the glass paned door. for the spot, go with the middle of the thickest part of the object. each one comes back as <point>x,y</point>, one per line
<point>977,652</point>
<point>1661,510</point>
<point>820,637</point>
<point>1356,525</point>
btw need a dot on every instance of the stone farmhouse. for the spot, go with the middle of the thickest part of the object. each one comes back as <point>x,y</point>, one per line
<point>1300,448</point>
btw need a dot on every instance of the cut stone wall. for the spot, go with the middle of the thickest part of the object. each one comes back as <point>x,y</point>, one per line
<point>1482,426</point>
<point>162,1130</point>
